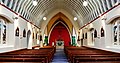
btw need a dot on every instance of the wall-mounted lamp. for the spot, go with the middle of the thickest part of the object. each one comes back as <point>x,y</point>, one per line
<point>15,17</point>
<point>104,18</point>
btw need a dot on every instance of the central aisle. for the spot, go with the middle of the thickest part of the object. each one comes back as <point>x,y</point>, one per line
<point>59,57</point>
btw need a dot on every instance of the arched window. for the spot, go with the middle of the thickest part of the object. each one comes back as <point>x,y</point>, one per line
<point>33,35</point>
<point>102,32</point>
<point>2,31</point>
<point>95,34</point>
<point>24,33</point>
<point>92,37</point>
<point>86,35</point>
<point>17,32</point>
<point>83,35</point>
<point>36,35</point>
<point>40,37</point>
<point>78,36</point>
<point>116,31</point>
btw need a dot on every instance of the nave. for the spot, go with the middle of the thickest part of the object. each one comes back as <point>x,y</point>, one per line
<point>87,30</point>
<point>70,54</point>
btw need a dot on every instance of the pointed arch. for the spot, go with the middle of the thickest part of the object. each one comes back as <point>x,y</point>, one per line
<point>6,19</point>
<point>40,37</point>
<point>59,32</point>
<point>102,32</point>
<point>95,33</point>
<point>59,17</point>
<point>28,45</point>
<point>33,36</point>
<point>86,35</point>
<point>24,33</point>
<point>36,35</point>
<point>17,32</point>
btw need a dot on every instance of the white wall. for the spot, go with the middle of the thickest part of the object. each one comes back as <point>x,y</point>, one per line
<point>103,42</point>
<point>13,42</point>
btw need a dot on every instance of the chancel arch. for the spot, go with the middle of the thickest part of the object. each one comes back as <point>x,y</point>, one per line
<point>60,33</point>
<point>62,17</point>
<point>59,20</point>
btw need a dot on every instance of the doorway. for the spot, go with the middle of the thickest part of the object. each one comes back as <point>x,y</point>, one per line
<point>28,38</point>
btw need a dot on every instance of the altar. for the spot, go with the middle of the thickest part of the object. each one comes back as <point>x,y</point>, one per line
<point>59,44</point>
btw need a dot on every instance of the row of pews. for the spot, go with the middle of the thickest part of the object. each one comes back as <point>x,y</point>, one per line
<point>90,55</point>
<point>39,55</point>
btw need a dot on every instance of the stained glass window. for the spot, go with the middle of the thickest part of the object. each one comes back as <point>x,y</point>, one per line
<point>2,32</point>
<point>17,32</point>
<point>95,34</point>
<point>24,33</point>
<point>102,32</point>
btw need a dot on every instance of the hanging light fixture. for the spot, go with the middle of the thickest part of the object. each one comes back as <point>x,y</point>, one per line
<point>85,3</point>
<point>35,2</point>
<point>75,18</point>
<point>44,18</point>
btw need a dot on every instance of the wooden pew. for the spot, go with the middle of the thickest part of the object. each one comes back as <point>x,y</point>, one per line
<point>22,60</point>
<point>76,54</point>
<point>101,62</point>
<point>43,55</point>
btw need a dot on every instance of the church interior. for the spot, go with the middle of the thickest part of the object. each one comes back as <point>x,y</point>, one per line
<point>59,31</point>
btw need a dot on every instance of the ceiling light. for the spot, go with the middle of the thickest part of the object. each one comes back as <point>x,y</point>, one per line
<point>35,2</point>
<point>75,18</point>
<point>85,3</point>
<point>44,18</point>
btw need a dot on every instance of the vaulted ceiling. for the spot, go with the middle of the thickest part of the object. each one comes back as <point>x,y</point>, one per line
<point>74,8</point>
